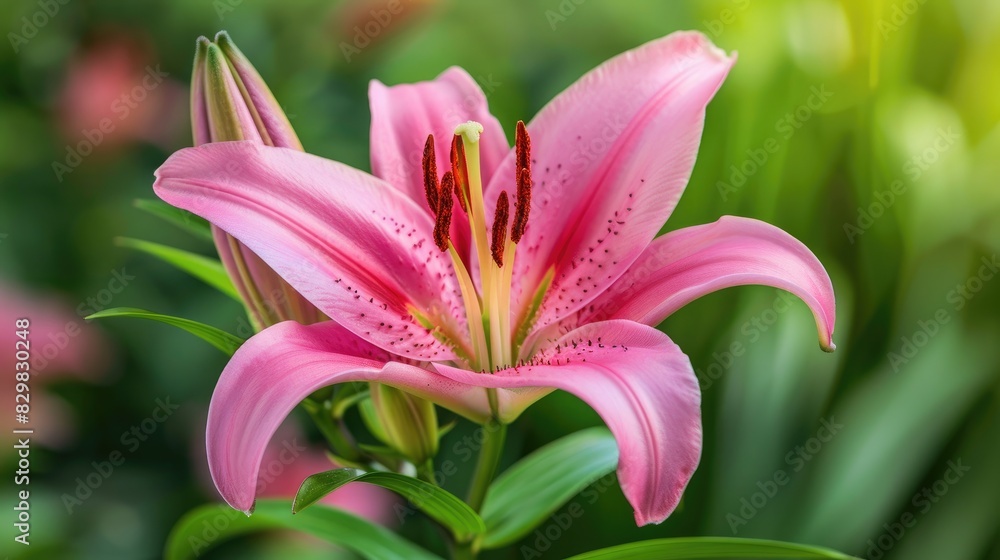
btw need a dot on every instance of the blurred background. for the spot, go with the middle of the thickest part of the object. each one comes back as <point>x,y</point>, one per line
<point>868,130</point>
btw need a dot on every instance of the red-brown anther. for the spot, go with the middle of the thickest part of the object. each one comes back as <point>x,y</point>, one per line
<point>522,206</point>
<point>500,228</point>
<point>431,189</point>
<point>442,227</point>
<point>522,147</point>
<point>460,170</point>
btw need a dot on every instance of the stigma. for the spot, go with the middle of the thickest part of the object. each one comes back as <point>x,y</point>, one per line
<point>487,306</point>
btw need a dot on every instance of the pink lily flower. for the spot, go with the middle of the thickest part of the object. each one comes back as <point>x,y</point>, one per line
<point>448,290</point>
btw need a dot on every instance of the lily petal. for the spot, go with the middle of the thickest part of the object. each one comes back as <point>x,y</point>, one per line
<point>358,250</point>
<point>643,387</point>
<point>686,264</point>
<point>612,155</point>
<point>277,368</point>
<point>403,116</point>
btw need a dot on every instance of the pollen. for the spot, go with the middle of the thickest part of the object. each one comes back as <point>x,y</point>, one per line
<point>522,206</point>
<point>442,227</point>
<point>429,164</point>
<point>500,221</point>
<point>460,169</point>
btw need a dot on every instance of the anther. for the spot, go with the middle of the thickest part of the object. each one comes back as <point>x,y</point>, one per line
<point>431,188</point>
<point>500,228</point>
<point>442,227</point>
<point>522,206</point>
<point>460,170</point>
<point>522,147</point>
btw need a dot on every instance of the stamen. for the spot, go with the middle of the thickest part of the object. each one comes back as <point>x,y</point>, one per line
<point>431,188</point>
<point>522,147</point>
<point>460,170</point>
<point>442,227</point>
<point>500,228</point>
<point>522,206</point>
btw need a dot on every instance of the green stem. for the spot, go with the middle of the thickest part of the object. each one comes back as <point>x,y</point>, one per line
<point>425,472</point>
<point>462,552</point>
<point>494,434</point>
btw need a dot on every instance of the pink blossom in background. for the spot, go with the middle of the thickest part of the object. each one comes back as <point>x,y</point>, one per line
<point>118,83</point>
<point>62,345</point>
<point>288,460</point>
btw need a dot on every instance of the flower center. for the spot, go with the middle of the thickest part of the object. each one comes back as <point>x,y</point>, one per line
<point>487,310</point>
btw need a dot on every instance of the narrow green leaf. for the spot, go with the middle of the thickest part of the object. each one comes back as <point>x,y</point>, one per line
<point>208,526</point>
<point>205,269</point>
<point>440,505</point>
<point>222,340</point>
<point>181,218</point>
<point>709,547</point>
<point>535,487</point>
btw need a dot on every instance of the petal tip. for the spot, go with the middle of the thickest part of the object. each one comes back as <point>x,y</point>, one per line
<point>828,346</point>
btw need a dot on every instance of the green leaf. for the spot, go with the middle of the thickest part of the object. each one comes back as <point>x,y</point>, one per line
<point>535,487</point>
<point>207,526</point>
<point>181,218</point>
<point>709,547</point>
<point>445,508</point>
<point>222,340</point>
<point>205,269</point>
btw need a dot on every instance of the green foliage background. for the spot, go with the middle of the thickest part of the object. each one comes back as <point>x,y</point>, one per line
<point>901,75</point>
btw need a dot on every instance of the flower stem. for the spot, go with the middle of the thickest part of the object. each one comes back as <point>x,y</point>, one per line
<point>463,552</point>
<point>494,434</point>
<point>425,472</point>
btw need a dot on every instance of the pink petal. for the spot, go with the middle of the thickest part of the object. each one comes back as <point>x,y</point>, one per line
<point>280,366</point>
<point>643,387</point>
<point>403,116</point>
<point>358,250</point>
<point>688,263</point>
<point>612,155</point>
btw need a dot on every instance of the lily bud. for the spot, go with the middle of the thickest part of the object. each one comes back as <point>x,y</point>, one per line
<point>230,101</point>
<point>406,423</point>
